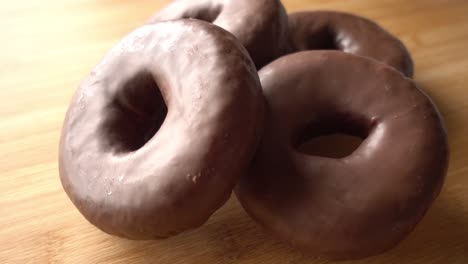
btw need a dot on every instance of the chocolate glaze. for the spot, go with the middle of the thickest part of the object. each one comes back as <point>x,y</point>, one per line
<point>156,137</point>
<point>349,33</point>
<point>260,25</point>
<point>364,203</point>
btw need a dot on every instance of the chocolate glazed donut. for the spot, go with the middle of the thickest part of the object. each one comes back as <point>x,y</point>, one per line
<point>260,25</point>
<point>153,143</point>
<point>359,205</point>
<point>349,33</point>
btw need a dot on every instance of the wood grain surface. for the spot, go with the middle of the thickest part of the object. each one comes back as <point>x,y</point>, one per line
<point>47,47</point>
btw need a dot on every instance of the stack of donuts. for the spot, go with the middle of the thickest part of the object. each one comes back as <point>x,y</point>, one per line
<point>212,96</point>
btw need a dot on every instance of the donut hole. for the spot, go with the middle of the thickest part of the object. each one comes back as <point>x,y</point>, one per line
<point>337,145</point>
<point>134,114</point>
<point>335,136</point>
<point>205,13</point>
<point>324,39</point>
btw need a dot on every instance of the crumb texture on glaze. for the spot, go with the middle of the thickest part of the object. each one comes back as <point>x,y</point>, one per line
<point>144,152</point>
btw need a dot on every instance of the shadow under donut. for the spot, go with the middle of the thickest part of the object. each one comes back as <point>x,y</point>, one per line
<point>232,237</point>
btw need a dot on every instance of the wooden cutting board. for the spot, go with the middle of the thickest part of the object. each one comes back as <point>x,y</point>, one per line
<point>47,47</point>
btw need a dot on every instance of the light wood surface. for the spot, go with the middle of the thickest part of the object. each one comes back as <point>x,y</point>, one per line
<point>47,47</point>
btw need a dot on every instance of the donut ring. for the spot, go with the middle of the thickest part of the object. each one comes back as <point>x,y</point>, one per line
<point>134,170</point>
<point>364,203</point>
<point>349,33</point>
<point>260,25</point>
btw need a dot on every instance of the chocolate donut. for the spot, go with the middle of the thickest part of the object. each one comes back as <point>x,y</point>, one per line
<point>361,204</point>
<point>153,143</point>
<point>349,33</point>
<point>260,25</point>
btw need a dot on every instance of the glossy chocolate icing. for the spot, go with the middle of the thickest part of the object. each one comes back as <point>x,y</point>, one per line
<point>314,30</point>
<point>260,25</point>
<point>156,137</point>
<point>364,203</point>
